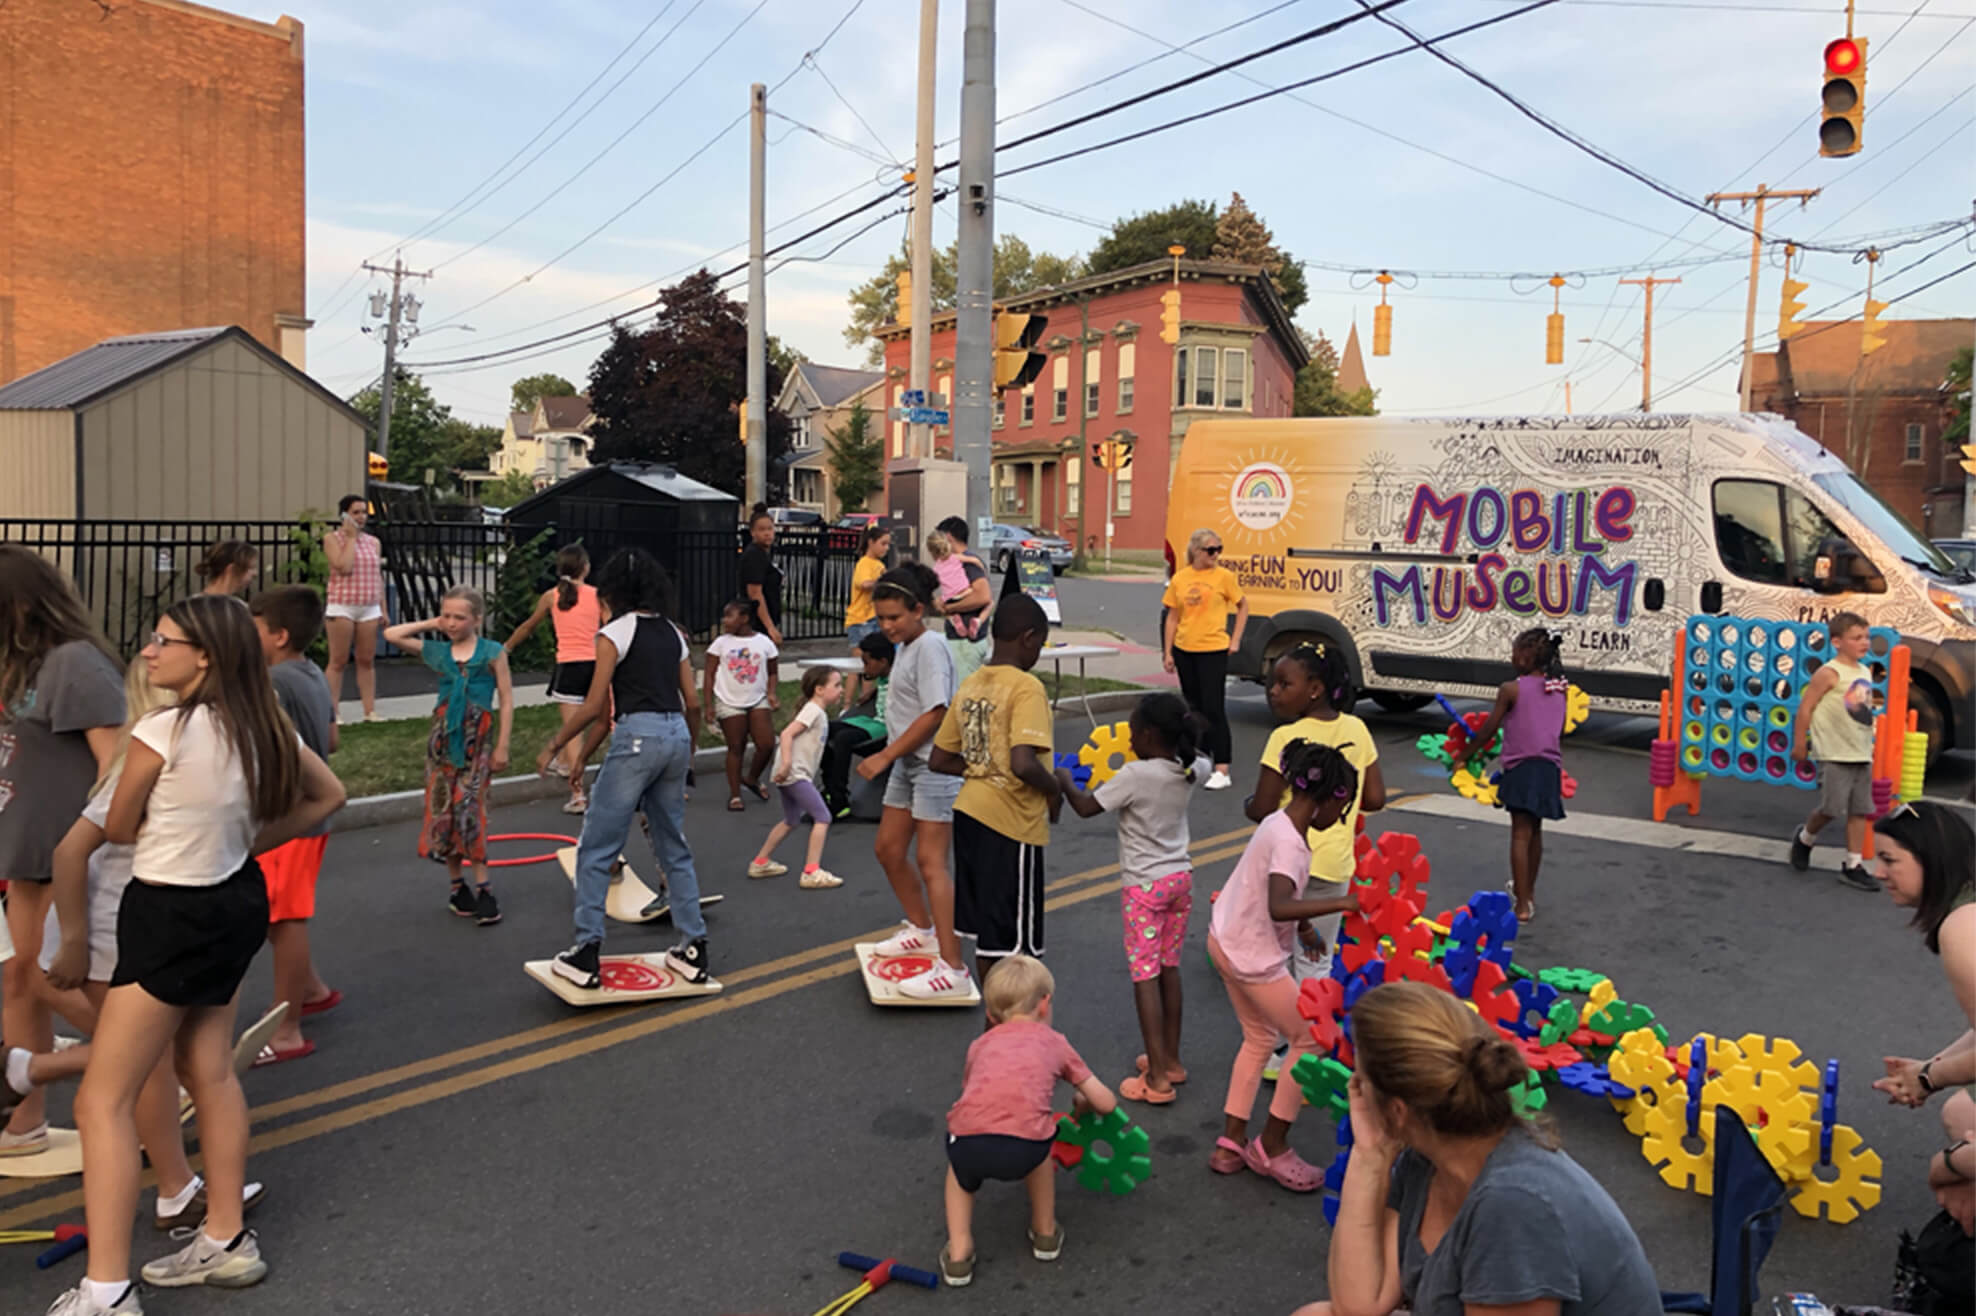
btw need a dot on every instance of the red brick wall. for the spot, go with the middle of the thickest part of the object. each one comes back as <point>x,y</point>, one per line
<point>1882,464</point>
<point>151,175</point>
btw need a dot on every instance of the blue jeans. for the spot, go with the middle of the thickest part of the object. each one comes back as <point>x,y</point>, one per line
<point>645,770</point>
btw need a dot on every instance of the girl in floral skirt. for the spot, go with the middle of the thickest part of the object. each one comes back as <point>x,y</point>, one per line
<point>466,748</point>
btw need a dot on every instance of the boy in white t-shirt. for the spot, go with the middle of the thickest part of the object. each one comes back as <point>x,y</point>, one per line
<point>795,779</point>
<point>741,682</point>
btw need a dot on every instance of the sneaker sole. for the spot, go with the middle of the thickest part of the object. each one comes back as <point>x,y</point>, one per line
<point>686,973</point>
<point>591,983</point>
<point>165,1224</point>
<point>245,1277</point>
<point>486,922</point>
<point>957,1281</point>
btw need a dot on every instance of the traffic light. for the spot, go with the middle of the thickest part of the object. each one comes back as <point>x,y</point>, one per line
<point>1554,326</point>
<point>904,313</point>
<point>1016,362</point>
<point>1872,334</point>
<point>1793,303</point>
<point>1969,458</point>
<point>1382,320</point>
<point>1111,454</point>
<point>377,466</point>
<point>743,411</point>
<point>1843,103</point>
<point>1170,316</point>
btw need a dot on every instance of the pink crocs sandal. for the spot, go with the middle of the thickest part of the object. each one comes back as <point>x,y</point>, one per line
<point>1288,1169</point>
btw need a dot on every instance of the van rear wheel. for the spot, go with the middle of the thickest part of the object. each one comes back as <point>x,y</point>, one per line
<point>1395,702</point>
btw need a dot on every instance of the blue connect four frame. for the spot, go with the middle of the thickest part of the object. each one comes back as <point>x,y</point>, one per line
<point>1742,686</point>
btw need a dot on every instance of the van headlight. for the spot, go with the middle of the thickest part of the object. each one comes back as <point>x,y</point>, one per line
<point>1951,604</point>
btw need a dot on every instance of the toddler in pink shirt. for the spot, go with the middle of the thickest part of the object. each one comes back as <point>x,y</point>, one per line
<point>1003,1125</point>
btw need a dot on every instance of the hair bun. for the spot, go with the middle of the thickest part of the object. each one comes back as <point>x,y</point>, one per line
<point>1494,1064</point>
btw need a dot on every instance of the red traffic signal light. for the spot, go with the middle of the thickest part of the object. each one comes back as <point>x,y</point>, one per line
<point>1842,57</point>
<point>1842,102</point>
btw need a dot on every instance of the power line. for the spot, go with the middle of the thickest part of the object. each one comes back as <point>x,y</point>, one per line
<point>817,69</point>
<point>1881,154</point>
<point>1731,7</point>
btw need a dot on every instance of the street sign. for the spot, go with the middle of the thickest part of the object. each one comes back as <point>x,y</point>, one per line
<point>919,397</point>
<point>922,415</point>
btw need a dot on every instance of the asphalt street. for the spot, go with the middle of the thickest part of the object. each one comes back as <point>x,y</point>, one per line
<point>464,1141</point>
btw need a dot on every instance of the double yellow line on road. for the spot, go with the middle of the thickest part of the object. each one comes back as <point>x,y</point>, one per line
<point>573,1038</point>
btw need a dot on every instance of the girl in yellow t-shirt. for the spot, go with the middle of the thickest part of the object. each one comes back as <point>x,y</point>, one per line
<point>1197,641</point>
<point>1308,688</point>
<point>860,617</point>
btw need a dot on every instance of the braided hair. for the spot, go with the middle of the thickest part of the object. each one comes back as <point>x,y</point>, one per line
<point>1318,771</point>
<point>1167,716</point>
<point>1546,649</point>
<point>1324,662</point>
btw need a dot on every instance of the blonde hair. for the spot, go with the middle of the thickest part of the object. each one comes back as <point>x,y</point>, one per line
<point>1016,986</point>
<point>938,546</point>
<point>1430,1051</point>
<point>140,697</point>
<point>1197,539</point>
<point>470,596</point>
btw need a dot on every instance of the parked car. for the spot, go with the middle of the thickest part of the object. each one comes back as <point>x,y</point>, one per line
<point>1005,541</point>
<point>787,517</point>
<point>1962,552</point>
<point>848,530</point>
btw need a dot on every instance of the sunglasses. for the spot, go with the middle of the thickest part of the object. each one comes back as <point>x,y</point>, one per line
<point>160,640</point>
<point>1215,551</point>
<point>1902,808</point>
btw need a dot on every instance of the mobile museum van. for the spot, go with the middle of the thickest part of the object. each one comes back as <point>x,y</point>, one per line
<point>1421,547</point>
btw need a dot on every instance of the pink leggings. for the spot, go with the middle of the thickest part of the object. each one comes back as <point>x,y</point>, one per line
<point>1268,1012</point>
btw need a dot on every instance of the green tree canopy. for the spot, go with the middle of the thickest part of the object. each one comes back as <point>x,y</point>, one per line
<point>1317,392</point>
<point>1018,269</point>
<point>671,392</point>
<point>1208,233</point>
<point>1955,389</point>
<point>527,392</point>
<point>857,458</point>
<point>425,434</point>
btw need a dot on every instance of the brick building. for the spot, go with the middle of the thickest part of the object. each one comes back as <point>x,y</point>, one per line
<point>152,152</point>
<point>1886,421</point>
<point>1110,376</point>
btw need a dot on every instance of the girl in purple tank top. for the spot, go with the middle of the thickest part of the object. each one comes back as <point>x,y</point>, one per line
<point>1530,713</point>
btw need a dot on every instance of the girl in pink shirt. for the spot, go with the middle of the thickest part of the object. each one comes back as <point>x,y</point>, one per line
<point>1251,937</point>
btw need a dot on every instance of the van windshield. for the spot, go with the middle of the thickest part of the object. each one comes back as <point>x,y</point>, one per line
<point>1885,523</point>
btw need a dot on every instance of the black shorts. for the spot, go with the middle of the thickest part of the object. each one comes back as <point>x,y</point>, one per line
<point>979,1157</point>
<point>570,682</point>
<point>998,890</point>
<point>191,945</point>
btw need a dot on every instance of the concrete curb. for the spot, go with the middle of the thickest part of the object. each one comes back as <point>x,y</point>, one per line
<point>409,806</point>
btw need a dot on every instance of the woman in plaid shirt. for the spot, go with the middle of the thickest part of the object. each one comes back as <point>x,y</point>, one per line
<point>356,601</point>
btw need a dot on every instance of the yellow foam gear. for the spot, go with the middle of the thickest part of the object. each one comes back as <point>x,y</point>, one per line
<point>1577,707</point>
<point>1602,995</point>
<point>1721,1052</point>
<point>1665,1147</point>
<point>1781,1056</point>
<point>1473,786</point>
<point>1653,1080</point>
<point>1106,745</point>
<point>1791,1149</point>
<point>1774,1109</point>
<point>1853,1187</point>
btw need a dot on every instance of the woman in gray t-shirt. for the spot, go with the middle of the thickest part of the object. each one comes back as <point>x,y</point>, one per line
<point>1451,1199</point>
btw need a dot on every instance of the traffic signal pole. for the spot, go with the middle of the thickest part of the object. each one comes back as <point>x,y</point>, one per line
<point>756,479</point>
<point>1760,196</point>
<point>974,347</point>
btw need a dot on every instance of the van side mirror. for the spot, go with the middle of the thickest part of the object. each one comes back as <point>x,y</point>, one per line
<point>1712,596</point>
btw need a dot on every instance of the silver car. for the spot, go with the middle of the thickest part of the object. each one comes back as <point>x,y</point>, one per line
<point>1005,541</point>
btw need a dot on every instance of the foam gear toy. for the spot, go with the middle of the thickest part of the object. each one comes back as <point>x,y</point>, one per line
<point>1108,750</point>
<point>1471,785</point>
<point>1593,1080</point>
<point>1324,1081</point>
<point>1571,980</point>
<point>1533,998</point>
<point>1666,1145</point>
<point>1618,1018</point>
<point>68,1240</point>
<point>1080,774</point>
<point>1529,1096</point>
<point>1828,1110</point>
<point>1577,707</point>
<point>1546,1056</point>
<point>1116,1152</point>
<point>1852,1185</point>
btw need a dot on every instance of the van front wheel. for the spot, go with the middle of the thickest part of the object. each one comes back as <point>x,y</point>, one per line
<point>1931,718</point>
<point>1395,702</point>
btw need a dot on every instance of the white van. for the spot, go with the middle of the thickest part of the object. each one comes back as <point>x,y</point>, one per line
<point>1423,546</point>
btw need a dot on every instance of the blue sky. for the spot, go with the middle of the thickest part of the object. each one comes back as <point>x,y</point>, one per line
<point>413,105</point>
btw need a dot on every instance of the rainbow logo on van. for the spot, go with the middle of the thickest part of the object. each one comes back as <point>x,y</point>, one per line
<point>1260,497</point>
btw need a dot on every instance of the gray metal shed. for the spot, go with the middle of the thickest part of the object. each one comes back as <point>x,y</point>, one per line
<point>190,424</point>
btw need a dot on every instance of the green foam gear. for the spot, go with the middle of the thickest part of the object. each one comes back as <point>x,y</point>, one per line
<point>1430,745</point>
<point>1571,980</point>
<point>1529,1096</point>
<point>1619,1018</point>
<point>1119,1170</point>
<point>1561,1024</point>
<point>1324,1081</point>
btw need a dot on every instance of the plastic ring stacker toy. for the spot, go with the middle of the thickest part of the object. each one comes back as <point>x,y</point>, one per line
<point>1660,763</point>
<point>521,860</point>
<point>1123,1164</point>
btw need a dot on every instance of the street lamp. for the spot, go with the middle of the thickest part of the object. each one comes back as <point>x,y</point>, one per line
<point>1615,347</point>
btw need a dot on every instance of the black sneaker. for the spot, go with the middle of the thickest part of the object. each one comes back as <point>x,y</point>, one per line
<point>579,965</point>
<point>461,902</point>
<point>486,910</point>
<point>1856,877</point>
<point>689,960</point>
<point>1800,852</point>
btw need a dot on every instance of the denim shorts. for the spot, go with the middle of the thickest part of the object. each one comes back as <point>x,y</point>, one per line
<point>929,794</point>
<point>857,631</point>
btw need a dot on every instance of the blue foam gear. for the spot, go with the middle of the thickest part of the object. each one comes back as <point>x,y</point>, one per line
<point>1828,1110</point>
<point>1533,998</point>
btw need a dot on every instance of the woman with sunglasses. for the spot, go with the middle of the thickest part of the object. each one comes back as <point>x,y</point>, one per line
<point>1197,640</point>
<point>1923,851</point>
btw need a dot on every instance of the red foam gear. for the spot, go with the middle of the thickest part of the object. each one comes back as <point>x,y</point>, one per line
<point>1585,1037</point>
<point>1411,968</point>
<point>1412,940</point>
<point>1492,997</point>
<point>1413,874</point>
<point>879,1275</point>
<point>1358,928</point>
<point>1402,846</point>
<point>1541,1057</point>
<point>1322,1000</point>
<point>1569,786</point>
<point>1396,915</point>
<point>1356,954</point>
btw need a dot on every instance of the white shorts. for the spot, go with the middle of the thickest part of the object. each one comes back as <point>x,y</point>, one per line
<point>359,612</point>
<point>103,903</point>
<point>724,710</point>
<point>6,942</point>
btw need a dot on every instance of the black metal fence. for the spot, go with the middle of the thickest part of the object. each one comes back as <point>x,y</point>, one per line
<point>129,572</point>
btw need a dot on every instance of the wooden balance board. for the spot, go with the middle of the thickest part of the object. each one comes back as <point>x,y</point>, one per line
<point>628,980</point>
<point>882,975</point>
<point>62,1156</point>
<point>628,896</point>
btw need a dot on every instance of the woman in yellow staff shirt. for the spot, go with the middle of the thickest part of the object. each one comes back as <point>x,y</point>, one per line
<point>1197,641</point>
<point>860,618</point>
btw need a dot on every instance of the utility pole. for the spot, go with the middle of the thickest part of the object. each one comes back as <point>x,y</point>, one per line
<point>756,486</point>
<point>1647,340</point>
<point>919,372</point>
<point>1567,395</point>
<point>974,347</point>
<point>1762,194</point>
<point>400,327</point>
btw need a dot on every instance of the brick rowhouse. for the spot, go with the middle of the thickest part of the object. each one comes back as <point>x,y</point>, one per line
<point>151,176</point>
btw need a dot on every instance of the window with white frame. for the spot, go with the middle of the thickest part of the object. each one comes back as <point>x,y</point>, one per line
<point>1029,404</point>
<point>1122,491</point>
<point>1206,361</point>
<point>1180,364</point>
<point>1234,378</point>
<point>1005,490</point>
<point>1001,410</point>
<point>1093,380</point>
<point>799,430</point>
<point>1128,360</point>
<point>1060,388</point>
<point>898,426</point>
<point>1073,475</point>
<point>947,392</point>
<point>1915,433</point>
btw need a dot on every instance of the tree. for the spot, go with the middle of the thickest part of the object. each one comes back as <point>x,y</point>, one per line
<point>783,358</point>
<point>1018,269</point>
<point>425,434</point>
<point>1197,226</point>
<point>512,488</point>
<point>1955,398</point>
<point>527,392</point>
<point>670,393</point>
<point>1317,392</point>
<point>857,458</point>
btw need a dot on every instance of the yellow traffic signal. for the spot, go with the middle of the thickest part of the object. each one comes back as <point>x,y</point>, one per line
<point>1843,102</point>
<point>904,313</point>
<point>1382,320</point>
<point>1111,454</point>
<point>1554,326</point>
<point>1016,362</point>
<point>1969,458</point>
<point>1872,333</point>
<point>743,410</point>
<point>1793,303</point>
<point>377,466</point>
<point>1170,316</point>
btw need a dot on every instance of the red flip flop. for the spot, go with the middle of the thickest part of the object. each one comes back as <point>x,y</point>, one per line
<point>270,1056</point>
<point>324,1005</point>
